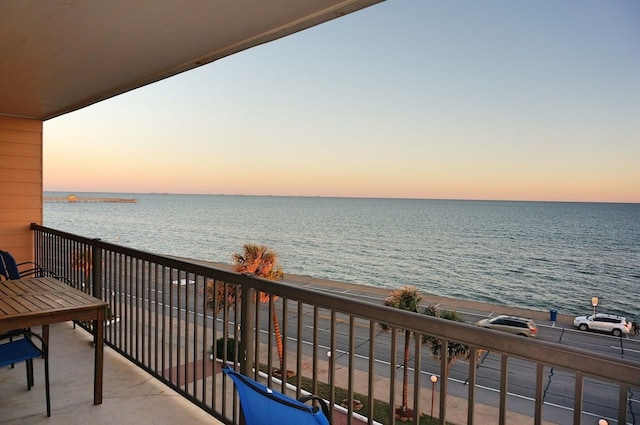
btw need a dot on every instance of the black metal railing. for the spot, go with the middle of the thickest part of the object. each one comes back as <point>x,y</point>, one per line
<point>167,319</point>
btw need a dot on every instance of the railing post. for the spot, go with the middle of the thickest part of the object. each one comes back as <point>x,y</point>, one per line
<point>96,277</point>
<point>96,269</point>
<point>247,323</point>
<point>444,380</point>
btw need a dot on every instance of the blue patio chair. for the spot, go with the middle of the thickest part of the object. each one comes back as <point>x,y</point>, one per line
<point>10,269</point>
<point>20,347</point>
<point>261,405</point>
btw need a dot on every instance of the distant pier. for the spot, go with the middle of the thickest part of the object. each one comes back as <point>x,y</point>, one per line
<point>83,199</point>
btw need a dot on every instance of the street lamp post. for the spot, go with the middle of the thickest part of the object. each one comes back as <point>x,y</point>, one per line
<point>434,379</point>
<point>329,368</point>
<point>594,303</point>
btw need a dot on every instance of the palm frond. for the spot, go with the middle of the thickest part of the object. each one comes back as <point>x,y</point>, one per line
<point>455,350</point>
<point>406,298</point>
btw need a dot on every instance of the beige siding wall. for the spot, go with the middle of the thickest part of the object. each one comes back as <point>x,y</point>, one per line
<point>20,184</point>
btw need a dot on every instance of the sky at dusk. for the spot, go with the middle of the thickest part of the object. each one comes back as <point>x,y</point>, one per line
<point>505,100</point>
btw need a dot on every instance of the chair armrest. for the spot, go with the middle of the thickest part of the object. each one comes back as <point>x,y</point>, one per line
<point>321,401</point>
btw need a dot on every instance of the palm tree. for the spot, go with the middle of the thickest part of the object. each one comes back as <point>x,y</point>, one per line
<point>455,350</point>
<point>82,260</point>
<point>263,262</point>
<point>220,295</point>
<point>406,298</point>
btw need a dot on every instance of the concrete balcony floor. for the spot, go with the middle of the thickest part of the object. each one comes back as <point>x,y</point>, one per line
<point>131,396</point>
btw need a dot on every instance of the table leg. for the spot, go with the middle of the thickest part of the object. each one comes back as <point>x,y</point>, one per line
<point>45,334</point>
<point>99,356</point>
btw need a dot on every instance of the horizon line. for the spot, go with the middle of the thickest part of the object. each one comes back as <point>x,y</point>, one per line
<point>347,197</point>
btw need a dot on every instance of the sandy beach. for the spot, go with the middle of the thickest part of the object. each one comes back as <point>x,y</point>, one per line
<point>377,295</point>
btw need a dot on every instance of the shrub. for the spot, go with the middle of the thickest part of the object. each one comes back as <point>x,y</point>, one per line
<point>231,348</point>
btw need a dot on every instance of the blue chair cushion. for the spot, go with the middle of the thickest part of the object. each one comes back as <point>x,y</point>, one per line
<point>263,406</point>
<point>17,351</point>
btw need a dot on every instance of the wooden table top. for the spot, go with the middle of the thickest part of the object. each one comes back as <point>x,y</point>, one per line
<point>38,301</point>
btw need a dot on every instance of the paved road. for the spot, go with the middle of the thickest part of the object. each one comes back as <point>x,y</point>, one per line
<point>558,393</point>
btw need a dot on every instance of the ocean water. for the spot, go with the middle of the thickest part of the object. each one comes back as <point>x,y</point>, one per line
<point>537,255</point>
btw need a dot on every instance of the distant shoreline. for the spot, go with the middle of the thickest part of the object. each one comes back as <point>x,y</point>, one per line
<point>73,199</point>
<point>358,197</point>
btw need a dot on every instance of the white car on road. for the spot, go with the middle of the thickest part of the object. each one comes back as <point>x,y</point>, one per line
<point>615,325</point>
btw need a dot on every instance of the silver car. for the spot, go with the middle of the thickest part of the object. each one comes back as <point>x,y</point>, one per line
<point>511,324</point>
<point>615,325</point>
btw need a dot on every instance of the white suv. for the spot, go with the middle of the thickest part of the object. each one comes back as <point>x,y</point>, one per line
<point>616,325</point>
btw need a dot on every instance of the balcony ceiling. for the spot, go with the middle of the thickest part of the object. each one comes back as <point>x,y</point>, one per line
<point>62,55</point>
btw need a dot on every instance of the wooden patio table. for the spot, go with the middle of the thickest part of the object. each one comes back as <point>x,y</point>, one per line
<point>42,301</point>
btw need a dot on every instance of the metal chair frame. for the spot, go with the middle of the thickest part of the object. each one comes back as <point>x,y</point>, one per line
<point>21,347</point>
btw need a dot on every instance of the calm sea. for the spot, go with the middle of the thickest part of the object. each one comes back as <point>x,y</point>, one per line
<point>538,255</point>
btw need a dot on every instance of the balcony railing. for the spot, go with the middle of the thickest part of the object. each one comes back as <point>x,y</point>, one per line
<point>166,322</point>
